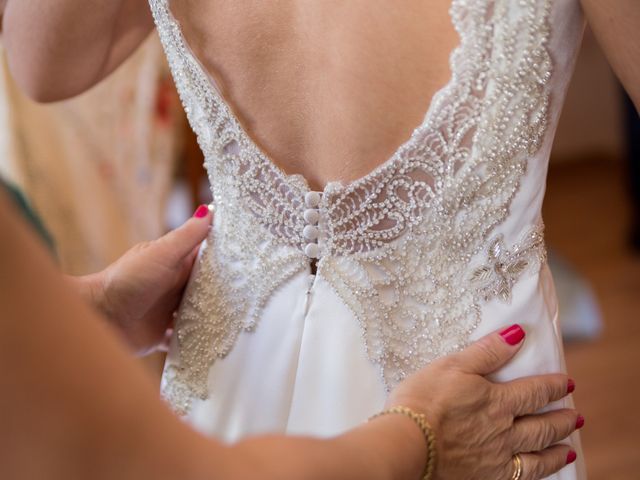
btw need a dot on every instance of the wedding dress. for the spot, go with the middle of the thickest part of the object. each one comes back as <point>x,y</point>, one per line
<point>439,245</point>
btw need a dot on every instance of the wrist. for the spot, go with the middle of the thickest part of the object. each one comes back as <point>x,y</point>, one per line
<point>407,444</point>
<point>430,408</point>
<point>92,291</point>
<point>420,423</point>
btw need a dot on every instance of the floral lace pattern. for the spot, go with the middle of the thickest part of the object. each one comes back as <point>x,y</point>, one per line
<point>395,245</point>
<point>496,278</point>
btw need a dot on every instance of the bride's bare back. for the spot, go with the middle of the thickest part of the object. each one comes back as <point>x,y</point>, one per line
<point>328,89</point>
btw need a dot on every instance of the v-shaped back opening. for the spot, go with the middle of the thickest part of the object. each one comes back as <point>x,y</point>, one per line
<point>297,178</point>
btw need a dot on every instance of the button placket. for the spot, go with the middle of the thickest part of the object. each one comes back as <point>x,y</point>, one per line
<point>310,232</point>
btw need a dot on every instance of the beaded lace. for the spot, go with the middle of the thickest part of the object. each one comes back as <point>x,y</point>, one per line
<point>409,247</point>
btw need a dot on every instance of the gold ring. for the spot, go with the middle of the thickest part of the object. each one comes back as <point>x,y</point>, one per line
<point>517,467</point>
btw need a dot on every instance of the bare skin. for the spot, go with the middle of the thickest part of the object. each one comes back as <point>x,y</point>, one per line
<point>328,89</point>
<point>328,70</point>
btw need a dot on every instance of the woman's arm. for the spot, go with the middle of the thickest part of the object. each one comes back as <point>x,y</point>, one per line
<point>59,48</point>
<point>75,405</point>
<point>616,24</point>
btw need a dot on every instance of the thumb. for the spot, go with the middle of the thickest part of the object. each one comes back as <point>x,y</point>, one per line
<point>492,351</point>
<point>179,243</point>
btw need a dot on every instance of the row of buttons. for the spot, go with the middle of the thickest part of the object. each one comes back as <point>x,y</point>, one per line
<point>311,216</point>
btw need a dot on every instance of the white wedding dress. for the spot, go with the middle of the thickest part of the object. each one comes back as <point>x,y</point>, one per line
<point>439,245</point>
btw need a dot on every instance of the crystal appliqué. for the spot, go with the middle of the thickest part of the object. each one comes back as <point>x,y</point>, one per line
<point>503,267</point>
<point>396,245</point>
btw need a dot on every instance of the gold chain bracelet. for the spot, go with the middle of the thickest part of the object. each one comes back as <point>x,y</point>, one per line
<point>430,437</point>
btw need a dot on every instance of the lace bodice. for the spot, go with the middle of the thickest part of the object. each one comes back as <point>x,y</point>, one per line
<point>410,248</point>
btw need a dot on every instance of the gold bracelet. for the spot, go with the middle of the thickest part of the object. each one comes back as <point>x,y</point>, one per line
<point>430,437</point>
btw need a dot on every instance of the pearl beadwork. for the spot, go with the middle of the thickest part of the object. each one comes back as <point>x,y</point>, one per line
<point>409,248</point>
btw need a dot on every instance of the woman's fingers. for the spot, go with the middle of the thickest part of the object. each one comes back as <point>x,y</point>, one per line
<point>536,432</point>
<point>539,465</point>
<point>490,352</point>
<point>529,394</point>
<point>179,243</point>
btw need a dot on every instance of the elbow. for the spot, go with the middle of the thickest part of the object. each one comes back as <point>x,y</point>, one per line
<point>33,68</point>
<point>42,81</point>
<point>43,88</point>
<point>42,93</point>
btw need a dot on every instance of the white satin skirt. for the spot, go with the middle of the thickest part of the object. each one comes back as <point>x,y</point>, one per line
<point>304,370</point>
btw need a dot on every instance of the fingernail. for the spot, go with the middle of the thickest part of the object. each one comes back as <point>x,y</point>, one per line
<point>571,457</point>
<point>571,385</point>
<point>579,422</point>
<point>201,211</point>
<point>513,335</point>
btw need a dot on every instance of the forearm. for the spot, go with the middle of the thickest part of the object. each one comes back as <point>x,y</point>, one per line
<point>74,404</point>
<point>60,48</point>
<point>616,24</point>
<point>389,448</point>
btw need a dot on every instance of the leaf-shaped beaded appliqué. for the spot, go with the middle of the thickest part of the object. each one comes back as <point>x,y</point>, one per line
<point>397,244</point>
<point>503,267</point>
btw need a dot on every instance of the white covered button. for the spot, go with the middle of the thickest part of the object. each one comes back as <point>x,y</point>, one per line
<point>312,199</point>
<point>312,250</point>
<point>311,215</point>
<point>310,232</point>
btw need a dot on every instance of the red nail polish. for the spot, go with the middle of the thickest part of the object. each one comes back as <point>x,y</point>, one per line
<point>571,385</point>
<point>571,457</point>
<point>201,211</point>
<point>513,335</point>
<point>579,422</point>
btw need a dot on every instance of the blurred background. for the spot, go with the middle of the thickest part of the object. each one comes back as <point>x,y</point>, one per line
<point>118,165</point>
<point>592,217</point>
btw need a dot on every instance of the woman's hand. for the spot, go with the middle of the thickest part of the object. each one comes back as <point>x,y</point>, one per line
<point>141,290</point>
<point>481,425</point>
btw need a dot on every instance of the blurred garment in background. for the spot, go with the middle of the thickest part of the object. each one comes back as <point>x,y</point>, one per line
<point>96,168</point>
